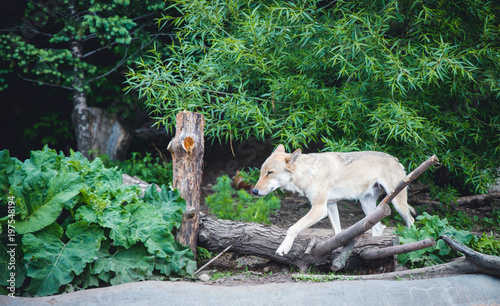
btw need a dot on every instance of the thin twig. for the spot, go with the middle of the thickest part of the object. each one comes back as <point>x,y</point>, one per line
<point>212,260</point>
<point>375,253</point>
<point>43,83</point>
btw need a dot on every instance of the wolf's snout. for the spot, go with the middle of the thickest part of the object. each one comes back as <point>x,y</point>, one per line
<point>255,191</point>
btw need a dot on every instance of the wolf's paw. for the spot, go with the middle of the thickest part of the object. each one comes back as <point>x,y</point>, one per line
<point>284,248</point>
<point>378,229</point>
<point>281,252</point>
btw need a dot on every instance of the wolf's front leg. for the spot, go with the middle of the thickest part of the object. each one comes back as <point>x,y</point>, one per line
<point>316,213</point>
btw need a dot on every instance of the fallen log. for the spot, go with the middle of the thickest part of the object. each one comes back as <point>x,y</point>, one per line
<point>340,261</point>
<point>466,200</point>
<point>263,240</point>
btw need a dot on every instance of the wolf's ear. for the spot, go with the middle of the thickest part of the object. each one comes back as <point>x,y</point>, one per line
<point>279,149</point>
<point>292,157</point>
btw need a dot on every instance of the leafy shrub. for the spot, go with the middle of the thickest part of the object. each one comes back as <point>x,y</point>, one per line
<point>487,245</point>
<point>149,169</point>
<point>462,220</point>
<point>411,78</point>
<point>428,226</point>
<point>230,204</point>
<point>494,221</point>
<point>77,226</point>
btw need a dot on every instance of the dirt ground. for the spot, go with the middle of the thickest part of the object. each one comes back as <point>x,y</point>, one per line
<point>231,269</point>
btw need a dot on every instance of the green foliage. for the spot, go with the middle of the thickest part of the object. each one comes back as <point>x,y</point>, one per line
<point>202,253</point>
<point>412,78</point>
<point>251,175</point>
<point>446,195</point>
<point>428,226</point>
<point>41,46</point>
<point>230,204</point>
<point>149,169</point>
<point>321,278</point>
<point>493,221</point>
<point>487,244</point>
<point>462,220</point>
<point>77,226</point>
<point>50,128</point>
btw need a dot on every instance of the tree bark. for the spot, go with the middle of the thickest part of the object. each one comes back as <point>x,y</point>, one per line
<point>375,253</point>
<point>95,130</point>
<point>187,150</point>
<point>81,114</point>
<point>107,134</point>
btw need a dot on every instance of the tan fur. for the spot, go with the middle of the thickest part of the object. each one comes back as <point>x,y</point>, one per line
<point>325,178</point>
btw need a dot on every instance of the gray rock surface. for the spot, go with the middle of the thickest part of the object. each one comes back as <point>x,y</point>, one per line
<point>456,290</point>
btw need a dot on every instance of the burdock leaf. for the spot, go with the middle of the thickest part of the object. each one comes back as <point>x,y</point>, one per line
<point>53,262</point>
<point>134,264</point>
<point>44,194</point>
<point>167,202</point>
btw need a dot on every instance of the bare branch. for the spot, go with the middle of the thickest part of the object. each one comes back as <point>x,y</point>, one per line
<point>43,83</point>
<point>345,236</point>
<point>375,253</point>
<point>124,60</point>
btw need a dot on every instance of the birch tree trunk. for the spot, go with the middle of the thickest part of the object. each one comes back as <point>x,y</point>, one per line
<point>95,129</point>
<point>81,114</point>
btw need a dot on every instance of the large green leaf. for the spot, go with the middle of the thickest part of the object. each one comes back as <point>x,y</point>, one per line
<point>10,172</point>
<point>161,243</point>
<point>44,194</point>
<point>118,221</point>
<point>43,160</point>
<point>134,264</point>
<point>167,202</point>
<point>52,262</point>
<point>181,262</point>
<point>144,220</point>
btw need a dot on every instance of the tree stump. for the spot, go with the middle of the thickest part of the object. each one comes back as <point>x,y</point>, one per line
<point>187,149</point>
<point>107,134</point>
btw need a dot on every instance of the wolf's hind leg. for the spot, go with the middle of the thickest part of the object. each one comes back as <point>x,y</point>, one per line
<point>369,203</point>
<point>333,215</point>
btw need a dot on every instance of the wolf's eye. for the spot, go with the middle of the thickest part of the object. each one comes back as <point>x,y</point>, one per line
<point>269,173</point>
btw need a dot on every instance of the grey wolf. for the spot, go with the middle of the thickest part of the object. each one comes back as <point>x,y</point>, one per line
<point>325,178</point>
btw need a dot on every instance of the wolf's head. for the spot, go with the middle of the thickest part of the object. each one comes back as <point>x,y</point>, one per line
<point>276,171</point>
